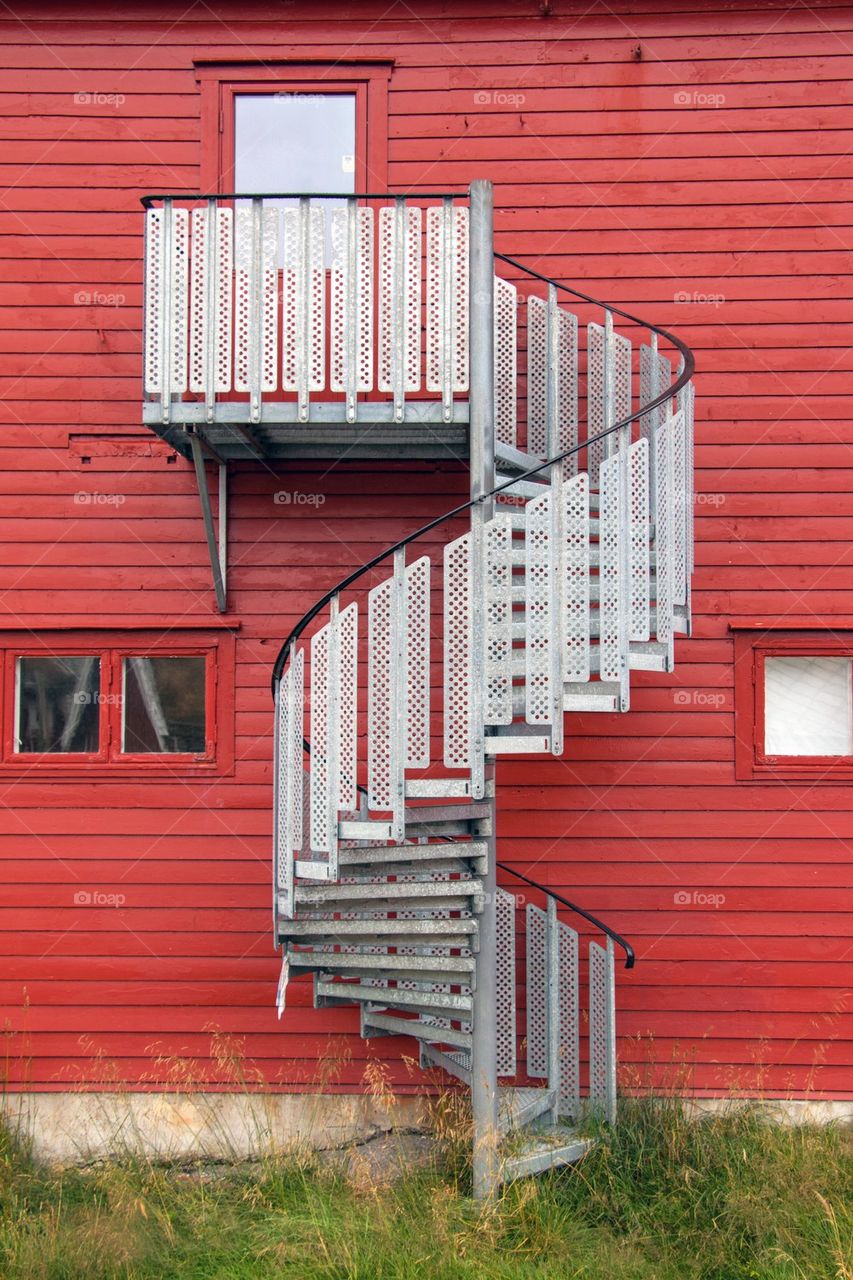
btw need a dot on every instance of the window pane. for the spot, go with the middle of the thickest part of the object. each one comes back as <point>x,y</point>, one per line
<point>163,707</point>
<point>808,709</point>
<point>57,705</point>
<point>294,142</point>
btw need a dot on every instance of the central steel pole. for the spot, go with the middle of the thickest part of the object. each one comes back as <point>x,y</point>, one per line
<point>484,1083</point>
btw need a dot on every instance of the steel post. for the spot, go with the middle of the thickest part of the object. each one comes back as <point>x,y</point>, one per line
<point>484,1083</point>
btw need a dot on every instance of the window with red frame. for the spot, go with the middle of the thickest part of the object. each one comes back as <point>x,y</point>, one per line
<point>794,705</point>
<point>123,705</point>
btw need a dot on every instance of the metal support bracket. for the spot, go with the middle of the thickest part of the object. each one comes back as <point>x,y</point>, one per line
<point>217,544</point>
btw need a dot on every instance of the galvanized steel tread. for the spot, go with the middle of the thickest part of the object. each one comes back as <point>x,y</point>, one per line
<point>456,1062</point>
<point>439,866</point>
<point>433,1001</point>
<point>413,852</point>
<point>385,965</point>
<point>540,1151</point>
<point>518,1106</point>
<point>376,890</point>
<point>307,927</point>
<point>375,1019</point>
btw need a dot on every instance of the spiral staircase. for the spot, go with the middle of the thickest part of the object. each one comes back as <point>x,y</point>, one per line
<point>474,638</point>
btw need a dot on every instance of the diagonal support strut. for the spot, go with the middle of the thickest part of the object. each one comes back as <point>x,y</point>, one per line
<point>216,546</point>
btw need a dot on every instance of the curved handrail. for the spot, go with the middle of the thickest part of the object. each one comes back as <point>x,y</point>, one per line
<point>688,365</point>
<point>687,368</point>
<point>630,957</point>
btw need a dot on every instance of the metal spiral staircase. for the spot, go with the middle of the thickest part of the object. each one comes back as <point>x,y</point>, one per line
<point>475,637</point>
<point>385,858</point>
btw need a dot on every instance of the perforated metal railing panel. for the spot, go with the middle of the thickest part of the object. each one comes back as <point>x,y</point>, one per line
<point>505,984</point>
<point>537,993</point>
<point>236,301</point>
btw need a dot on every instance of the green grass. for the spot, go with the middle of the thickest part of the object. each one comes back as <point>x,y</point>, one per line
<point>726,1198</point>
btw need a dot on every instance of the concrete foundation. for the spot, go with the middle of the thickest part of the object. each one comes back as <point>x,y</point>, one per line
<point>76,1128</point>
<point>783,1110</point>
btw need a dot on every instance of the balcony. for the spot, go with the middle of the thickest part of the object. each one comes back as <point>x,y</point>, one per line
<point>377,327</point>
<point>308,325</point>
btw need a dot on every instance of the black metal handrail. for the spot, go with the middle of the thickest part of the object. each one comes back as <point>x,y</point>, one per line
<point>688,364</point>
<point>149,200</point>
<point>630,957</point>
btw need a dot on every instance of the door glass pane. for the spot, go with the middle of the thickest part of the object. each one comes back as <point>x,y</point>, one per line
<point>808,710</point>
<point>57,705</point>
<point>163,708</point>
<point>301,142</point>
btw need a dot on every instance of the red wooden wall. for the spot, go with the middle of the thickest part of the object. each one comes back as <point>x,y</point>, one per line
<point>714,161</point>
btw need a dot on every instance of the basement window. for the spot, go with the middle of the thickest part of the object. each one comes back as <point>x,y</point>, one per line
<point>128,704</point>
<point>794,706</point>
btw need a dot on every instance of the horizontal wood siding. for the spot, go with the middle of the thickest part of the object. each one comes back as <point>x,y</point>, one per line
<point>648,151</point>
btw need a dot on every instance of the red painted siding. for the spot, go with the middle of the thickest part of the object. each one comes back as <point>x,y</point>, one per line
<point>718,162</point>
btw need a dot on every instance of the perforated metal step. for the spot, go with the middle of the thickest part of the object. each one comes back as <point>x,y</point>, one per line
<point>542,1151</point>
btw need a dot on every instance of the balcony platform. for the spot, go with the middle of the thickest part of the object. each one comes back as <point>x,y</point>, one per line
<point>277,327</point>
<point>231,436</point>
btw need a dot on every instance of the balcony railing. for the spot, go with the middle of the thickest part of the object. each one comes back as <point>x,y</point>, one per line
<point>306,309</point>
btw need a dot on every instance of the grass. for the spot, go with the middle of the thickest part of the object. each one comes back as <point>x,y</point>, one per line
<point>729,1197</point>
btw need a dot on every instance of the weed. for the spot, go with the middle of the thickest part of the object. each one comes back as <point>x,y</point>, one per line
<point>727,1196</point>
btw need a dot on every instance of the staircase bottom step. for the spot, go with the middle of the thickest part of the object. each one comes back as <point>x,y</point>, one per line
<point>541,1151</point>
<point>519,1106</point>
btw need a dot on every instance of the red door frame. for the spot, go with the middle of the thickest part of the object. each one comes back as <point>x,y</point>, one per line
<point>219,84</point>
